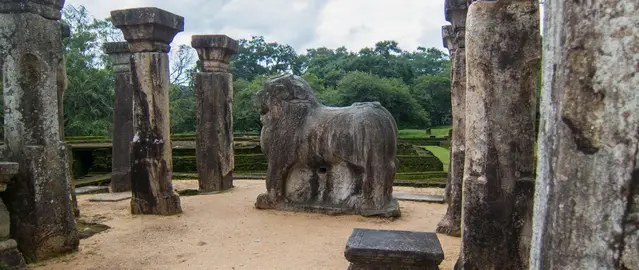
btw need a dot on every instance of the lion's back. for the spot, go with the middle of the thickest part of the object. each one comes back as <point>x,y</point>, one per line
<point>355,133</point>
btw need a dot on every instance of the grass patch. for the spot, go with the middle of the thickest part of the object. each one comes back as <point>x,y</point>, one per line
<point>441,153</point>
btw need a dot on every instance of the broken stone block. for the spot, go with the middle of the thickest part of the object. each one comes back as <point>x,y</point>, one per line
<point>321,159</point>
<point>10,256</point>
<point>368,249</point>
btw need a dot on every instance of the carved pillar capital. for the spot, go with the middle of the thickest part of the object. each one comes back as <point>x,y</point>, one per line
<point>148,29</point>
<point>447,37</point>
<point>455,12</point>
<point>214,51</point>
<point>120,56</point>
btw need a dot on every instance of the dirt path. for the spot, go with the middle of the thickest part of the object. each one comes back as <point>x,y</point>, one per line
<point>224,231</point>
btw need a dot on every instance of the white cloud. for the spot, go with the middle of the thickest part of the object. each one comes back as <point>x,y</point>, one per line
<point>301,23</point>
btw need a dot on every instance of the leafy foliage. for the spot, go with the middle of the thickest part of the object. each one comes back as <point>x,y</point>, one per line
<point>413,85</point>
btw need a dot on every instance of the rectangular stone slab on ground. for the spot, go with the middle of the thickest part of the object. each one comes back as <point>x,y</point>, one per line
<point>111,197</point>
<point>390,249</point>
<point>418,197</point>
<point>92,190</point>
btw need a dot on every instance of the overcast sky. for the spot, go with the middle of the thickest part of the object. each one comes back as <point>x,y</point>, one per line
<point>301,23</point>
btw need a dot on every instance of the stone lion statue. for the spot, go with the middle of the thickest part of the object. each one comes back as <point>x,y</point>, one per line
<point>325,159</point>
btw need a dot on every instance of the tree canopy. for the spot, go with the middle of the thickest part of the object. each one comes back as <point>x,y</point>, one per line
<point>413,85</point>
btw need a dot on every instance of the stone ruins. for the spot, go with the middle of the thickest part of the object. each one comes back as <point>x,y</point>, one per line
<point>214,88</point>
<point>38,197</point>
<point>573,205</point>
<point>309,169</point>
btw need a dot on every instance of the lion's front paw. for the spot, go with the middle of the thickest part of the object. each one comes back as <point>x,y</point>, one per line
<point>354,201</point>
<point>264,201</point>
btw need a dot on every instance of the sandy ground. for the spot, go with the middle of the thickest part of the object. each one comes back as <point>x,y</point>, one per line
<point>225,231</point>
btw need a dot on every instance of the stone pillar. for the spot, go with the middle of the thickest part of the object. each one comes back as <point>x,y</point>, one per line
<point>502,63</point>
<point>454,36</point>
<point>38,198</point>
<point>587,203</point>
<point>214,94</point>
<point>122,116</point>
<point>149,31</point>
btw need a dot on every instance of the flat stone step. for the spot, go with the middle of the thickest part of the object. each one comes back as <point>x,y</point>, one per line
<point>388,249</point>
<point>111,197</point>
<point>91,190</point>
<point>418,197</point>
<point>93,180</point>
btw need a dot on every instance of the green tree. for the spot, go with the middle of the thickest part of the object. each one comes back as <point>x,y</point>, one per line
<point>88,101</point>
<point>246,116</point>
<point>256,57</point>
<point>392,93</point>
<point>432,92</point>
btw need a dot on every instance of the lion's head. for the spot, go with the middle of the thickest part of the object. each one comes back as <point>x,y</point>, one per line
<point>283,91</point>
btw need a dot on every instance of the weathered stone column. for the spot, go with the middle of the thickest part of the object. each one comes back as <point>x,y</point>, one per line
<point>214,95</point>
<point>122,116</point>
<point>149,31</point>
<point>454,36</point>
<point>502,63</point>
<point>38,198</point>
<point>587,200</point>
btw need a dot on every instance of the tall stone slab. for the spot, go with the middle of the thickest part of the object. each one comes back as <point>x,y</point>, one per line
<point>214,90</point>
<point>502,63</point>
<point>122,116</point>
<point>149,31</point>
<point>587,200</point>
<point>38,198</point>
<point>454,36</point>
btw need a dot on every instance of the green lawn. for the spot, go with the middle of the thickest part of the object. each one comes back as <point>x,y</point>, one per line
<point>439,132</point>
<point>441,153</point>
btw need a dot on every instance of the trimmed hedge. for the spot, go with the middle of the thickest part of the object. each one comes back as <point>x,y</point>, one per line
<point>406,149</point>
<point>419,164</point>
<point>421,141</point>
<point>101,163</point>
